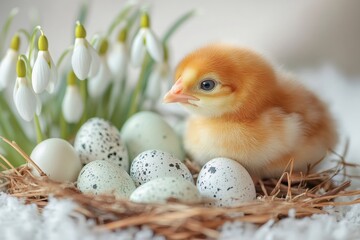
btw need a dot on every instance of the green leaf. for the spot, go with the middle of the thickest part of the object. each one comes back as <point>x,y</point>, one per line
<point>12,127</point>
<point>119,18</point>
<point>83,11</point>
<point>175,26</point>
<point>5,28</point>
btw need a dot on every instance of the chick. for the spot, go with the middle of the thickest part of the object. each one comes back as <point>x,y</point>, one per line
<point>244,109</point>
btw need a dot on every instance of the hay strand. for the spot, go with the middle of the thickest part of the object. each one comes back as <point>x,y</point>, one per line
<point>304,194</point>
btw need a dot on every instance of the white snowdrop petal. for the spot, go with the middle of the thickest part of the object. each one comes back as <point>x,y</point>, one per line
<point>8,68</point>
<point>81,59</point>
<point>118,60</point>
<point>38,105</point>
<point>72,105</point>
<point>16,87</point>
<point>25,102</point>
<point>95,61</point>
<point>40,73</point>
<point>154,47</point>
<point>98,84</point>
<point>53,77</point>
<point>138,49</point>
<point>153,88</point>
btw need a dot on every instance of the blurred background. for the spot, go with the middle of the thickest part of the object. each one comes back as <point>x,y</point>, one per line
<point>317,40</point>
<point>297,34</point>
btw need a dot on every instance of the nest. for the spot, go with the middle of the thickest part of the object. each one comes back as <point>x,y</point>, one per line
<point>295,194</point>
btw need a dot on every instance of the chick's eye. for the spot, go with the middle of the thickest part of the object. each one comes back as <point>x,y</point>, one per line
<point>207,85</point>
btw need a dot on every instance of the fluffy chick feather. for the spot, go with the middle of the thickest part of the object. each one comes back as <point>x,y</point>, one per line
<point>246,110</point>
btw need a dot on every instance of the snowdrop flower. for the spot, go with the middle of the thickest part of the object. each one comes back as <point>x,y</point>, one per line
<point>144,40</point>
<point>118,56</point>
<point>85,60</point>
<point>158,82</point>
<point>8,64</point>
<point>24,96</point>
<point>98,84</point>
<point>44,74</point>
<point>72,105</point>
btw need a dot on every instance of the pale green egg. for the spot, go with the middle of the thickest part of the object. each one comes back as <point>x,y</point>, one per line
<point>148,130</point>
<point>104,177</point>
<point>159,190</point>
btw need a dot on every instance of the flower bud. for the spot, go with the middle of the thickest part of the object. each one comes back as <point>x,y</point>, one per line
<point>15,42</point>
<point>80,31</point>
<point>21,68</point>
<point>43,43</point>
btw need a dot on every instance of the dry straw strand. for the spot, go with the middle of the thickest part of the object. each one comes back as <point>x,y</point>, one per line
<point>307,193</point>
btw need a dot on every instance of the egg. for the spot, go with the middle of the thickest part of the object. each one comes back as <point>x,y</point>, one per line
<point>148,130</point>
<point>104,177</point>
<point>57,159</point>
<point>161,189</point>
<point>98,139</point>
<point>153,164</point>
<point>225,183</point>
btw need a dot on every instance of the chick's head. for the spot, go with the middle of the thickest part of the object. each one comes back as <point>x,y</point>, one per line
<point>221,79</point>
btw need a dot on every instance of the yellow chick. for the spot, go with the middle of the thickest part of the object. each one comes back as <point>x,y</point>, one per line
<point>244,109</point>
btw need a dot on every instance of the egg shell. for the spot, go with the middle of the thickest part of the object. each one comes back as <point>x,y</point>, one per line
<point>148,130</point>
<point>161,189</point>
<point>153,164</point>
<point>98,139</point>
<point>104,177</point>
<point>224,182</point>
<point>57,159</point>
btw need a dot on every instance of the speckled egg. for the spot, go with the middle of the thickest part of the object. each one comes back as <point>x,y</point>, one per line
<point>148,130</point>
<point>104,177</point>
<point>161,189</point>
<point>225,183</point>
<point>153,164</point>
<point>98,139</point>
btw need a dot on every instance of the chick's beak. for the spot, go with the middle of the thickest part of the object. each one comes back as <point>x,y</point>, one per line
<point>176,95</point>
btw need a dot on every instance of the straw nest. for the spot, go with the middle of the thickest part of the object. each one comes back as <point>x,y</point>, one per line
<point>307,194</point>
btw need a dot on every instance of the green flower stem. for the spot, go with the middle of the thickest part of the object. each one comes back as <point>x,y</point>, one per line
<point>6,27</point>
<point>26,34</point>
<point>39,134</point>
<point>63,127</point>
<point>84,95</point>
<point>135,97</point>
<point>83,12</point>
<point>136,100</point>
<point>115,100</point>
<point>119,18</point>
<point>177,24</point>
<point>32,44</point>
<point>63,55</point>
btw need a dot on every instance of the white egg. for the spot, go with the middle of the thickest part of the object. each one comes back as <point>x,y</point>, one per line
<point>98,139</point>
<point>153,164</point>
<point>161,189</point>
<point>225,183</point>
<point>148,130</point>
<point>104,177</point>
<point>57,159</point>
